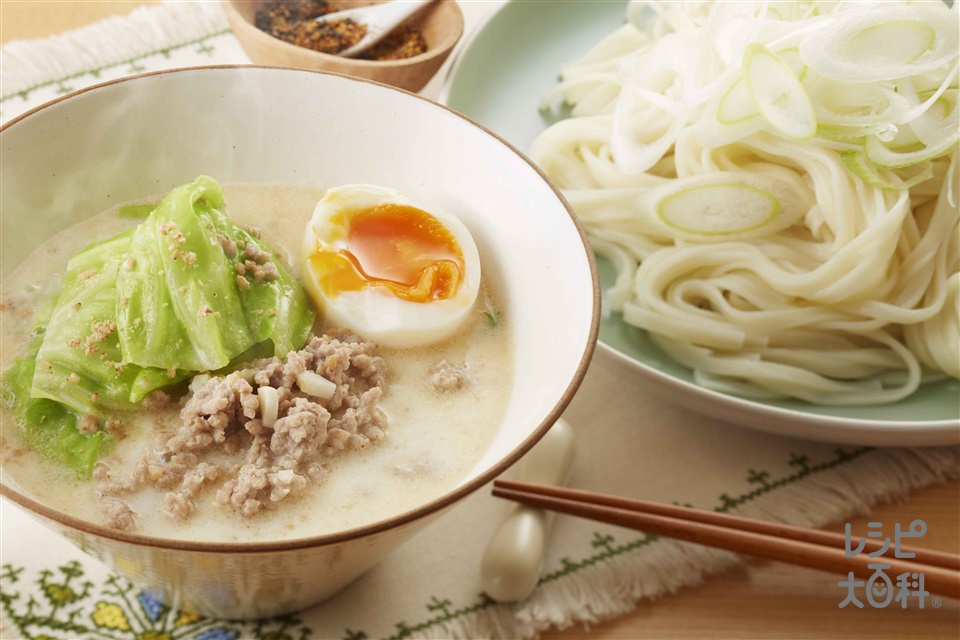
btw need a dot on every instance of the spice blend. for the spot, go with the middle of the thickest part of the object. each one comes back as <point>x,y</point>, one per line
<point>402,43</point>
<point>295,21</point>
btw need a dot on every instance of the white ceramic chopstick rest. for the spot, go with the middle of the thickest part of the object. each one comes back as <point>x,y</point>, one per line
<point>513,559</point>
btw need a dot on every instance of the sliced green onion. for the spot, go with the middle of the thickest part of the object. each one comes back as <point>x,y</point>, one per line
<point>843,103</point>
<point>778,93</point>
<point>939,121</point>
<point>860,166</point>
<point>904,140</point>
<point>882,43</point>
<point>736,105</point>
<point>792,59</point>
<point>726,205</point>
<point>719,209</point>
<point>889,43</point>
<point>198,381</point>
<point>269,405</point>
<point>885,157</point>
<point>313,384</point>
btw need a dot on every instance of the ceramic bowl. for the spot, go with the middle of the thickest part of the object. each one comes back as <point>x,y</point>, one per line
<point>441,24</point>
<point>499,77</point>
<point>81,154</point>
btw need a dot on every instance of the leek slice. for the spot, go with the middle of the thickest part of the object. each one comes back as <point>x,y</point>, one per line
<point>860,166</point>
<point>888,43</point>
<point>882,43</point>
<point>719,209</point>
<point>269,405</point>
<point>737,104</point>
<point>778,93</point>
<point>939,121</point>
<point>885,157</point>
<point>726,205</point>
<point>791,57</point>
<point>862,105</point>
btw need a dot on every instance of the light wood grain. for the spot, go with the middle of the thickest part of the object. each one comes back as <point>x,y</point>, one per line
<point>759,600</point>
<point>39,18</point>
<point>774,600</point>
<point>755,538</point>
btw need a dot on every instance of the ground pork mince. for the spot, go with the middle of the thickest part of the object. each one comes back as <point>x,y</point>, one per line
<point>402,426</point>
<point>266,464</point>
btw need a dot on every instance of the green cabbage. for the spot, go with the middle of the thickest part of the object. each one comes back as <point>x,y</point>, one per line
<point>48,426</point>
<point>79,363</point>
<point>147,308</point>
<point>184,307</point>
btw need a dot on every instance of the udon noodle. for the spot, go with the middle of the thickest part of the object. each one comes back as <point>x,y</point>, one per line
<point>771,245</point>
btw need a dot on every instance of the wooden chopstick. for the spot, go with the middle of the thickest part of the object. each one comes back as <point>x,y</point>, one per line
<point>786,543</point>
<point>813,536</point>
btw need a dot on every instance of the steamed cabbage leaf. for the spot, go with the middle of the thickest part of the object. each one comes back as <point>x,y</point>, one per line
<point>185,304</point>
<point>276,307</point>
<point>145,309</point>
<point>46,425</point>
<point>79,362</point>
<point>181,304</point>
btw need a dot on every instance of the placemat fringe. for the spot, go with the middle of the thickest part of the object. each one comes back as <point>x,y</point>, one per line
<point>881,476</point>
<point>612,589</point>
<point>27,63</point>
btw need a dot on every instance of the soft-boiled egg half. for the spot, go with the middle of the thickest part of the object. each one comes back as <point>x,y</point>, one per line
<point>376,263</point>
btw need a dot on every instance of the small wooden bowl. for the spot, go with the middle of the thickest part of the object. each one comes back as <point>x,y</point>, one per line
<point>441,24</point>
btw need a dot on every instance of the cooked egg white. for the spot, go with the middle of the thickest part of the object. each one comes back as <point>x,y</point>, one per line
<point>376,263</point>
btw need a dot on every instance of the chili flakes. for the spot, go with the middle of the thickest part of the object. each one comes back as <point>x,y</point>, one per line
<point>295,21</point>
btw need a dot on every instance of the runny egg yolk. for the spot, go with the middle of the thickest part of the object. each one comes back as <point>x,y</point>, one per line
<point>400,247</point>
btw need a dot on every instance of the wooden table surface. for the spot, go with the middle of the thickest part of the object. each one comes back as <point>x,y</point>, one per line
<point>759,600</point>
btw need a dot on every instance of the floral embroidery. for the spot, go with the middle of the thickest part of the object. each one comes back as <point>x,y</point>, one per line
<point>118,611</point>
<point>110,616</point>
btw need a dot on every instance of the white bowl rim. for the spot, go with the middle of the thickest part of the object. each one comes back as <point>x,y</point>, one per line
<point>379,526</point>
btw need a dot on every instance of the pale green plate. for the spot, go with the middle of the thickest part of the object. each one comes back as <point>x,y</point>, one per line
<point>498,81</point>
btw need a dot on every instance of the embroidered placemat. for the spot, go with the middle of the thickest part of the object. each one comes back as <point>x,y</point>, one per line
<point>629,441</point>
